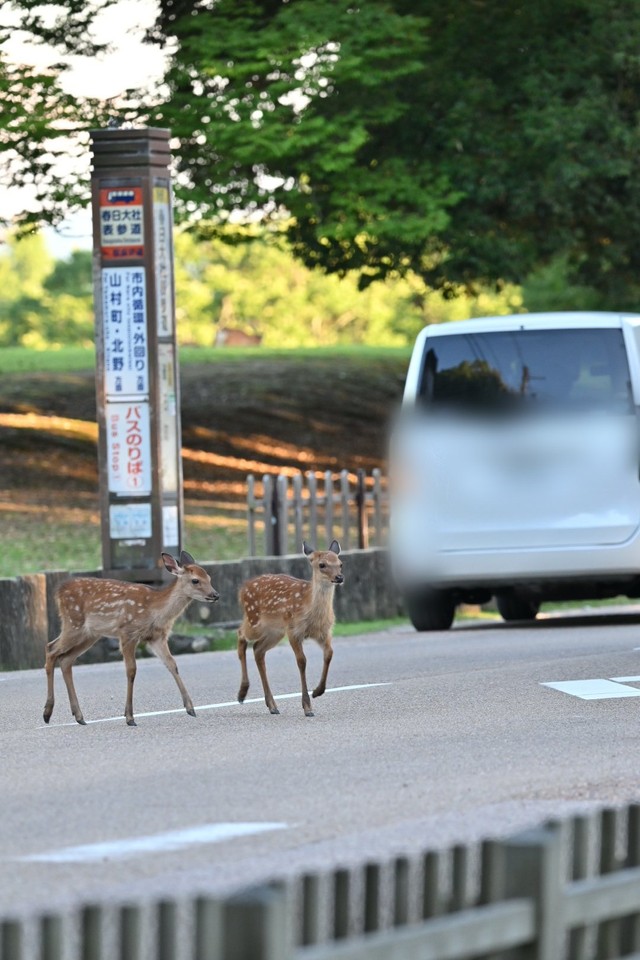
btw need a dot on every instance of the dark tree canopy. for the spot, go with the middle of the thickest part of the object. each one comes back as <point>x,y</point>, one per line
<point>470,142</point>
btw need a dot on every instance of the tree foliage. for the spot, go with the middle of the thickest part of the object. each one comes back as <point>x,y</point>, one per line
<point>466,143</point>
<point>44,303</point>
<point>258,288</point>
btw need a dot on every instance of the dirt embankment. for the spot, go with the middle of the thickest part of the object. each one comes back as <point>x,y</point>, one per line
<point>238,417</point>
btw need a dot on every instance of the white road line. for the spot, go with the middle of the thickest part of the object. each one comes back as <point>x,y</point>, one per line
<point>596,689</point>
<point>158,843</point>
<point>227,703</point>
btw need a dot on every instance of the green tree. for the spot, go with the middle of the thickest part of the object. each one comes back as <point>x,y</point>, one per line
<point>261,288</point>
<point>44,302</point>
<point>468,143</point>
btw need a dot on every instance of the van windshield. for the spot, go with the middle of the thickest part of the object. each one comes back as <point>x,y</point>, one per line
<point>535,369</point>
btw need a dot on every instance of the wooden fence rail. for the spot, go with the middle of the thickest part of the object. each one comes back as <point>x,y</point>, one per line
<point>568,890</point>
<point>317,506</point>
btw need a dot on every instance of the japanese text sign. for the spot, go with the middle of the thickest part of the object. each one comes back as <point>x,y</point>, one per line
<point>121,223</point>
<point>126,350</point>
<point>129,448</point>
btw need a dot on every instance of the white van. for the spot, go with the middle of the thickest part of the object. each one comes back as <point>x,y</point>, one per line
<point>515,464</point>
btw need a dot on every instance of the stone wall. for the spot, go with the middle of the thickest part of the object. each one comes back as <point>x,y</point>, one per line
<point>28,617</point>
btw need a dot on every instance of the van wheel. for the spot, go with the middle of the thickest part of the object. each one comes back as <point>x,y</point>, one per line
<point>430,609</point>
<point>517,605</point>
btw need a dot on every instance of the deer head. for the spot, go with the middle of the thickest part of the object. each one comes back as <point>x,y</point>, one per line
<point>325,563</point>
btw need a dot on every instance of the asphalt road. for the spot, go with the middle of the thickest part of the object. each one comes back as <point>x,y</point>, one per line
<point>440,738</point>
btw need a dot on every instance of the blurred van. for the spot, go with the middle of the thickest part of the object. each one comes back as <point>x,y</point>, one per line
<point>515,464</point>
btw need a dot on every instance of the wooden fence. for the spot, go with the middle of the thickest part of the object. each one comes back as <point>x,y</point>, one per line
<point>568,890</point>
<point>318,507</point>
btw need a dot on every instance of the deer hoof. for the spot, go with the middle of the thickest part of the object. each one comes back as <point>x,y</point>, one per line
<point>309,714</point>
<point>131,722</point>
<point>273,710</point>
<point>81,720</point>
<point>191,712</point>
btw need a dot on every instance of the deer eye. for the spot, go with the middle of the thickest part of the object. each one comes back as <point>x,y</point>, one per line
<point>195,581</point>
<point>322,565</point>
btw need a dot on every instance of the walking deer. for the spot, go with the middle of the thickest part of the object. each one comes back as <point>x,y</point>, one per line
<point>133,613</point>
<point>276,604</point>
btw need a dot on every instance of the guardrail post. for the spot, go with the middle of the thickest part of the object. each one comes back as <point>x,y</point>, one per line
<point>11,940</point>
<point>209,925</point>
<point>268,494</point>
<point>91,928</point>
<point>256,925</point>
<point>298,505</point>
<point>328,504</point>
<point>51,933</point>
<point>129,928</point>
<point>312,483</point>
<point>345,497</point>
<point>631,928</point>
<point>281,513</point>
<point>532,869</point>
<point>251,514</point>
<point>361,508</point>
<point>311,921</point>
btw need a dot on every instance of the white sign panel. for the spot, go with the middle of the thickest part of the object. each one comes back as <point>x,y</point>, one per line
<point>130,521</point>
<point>124,315</point>
<point>168,418</point>
<point>170,536</point>
<point>163,225</point>
<point>129,447</point>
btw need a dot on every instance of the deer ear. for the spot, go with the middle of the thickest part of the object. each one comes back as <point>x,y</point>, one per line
<point>171,564</point>
<point>307,549</point>
<point>186,558</point>
<point>335,547</point>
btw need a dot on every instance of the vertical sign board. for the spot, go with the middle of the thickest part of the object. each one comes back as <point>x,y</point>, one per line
<point>137,376</point>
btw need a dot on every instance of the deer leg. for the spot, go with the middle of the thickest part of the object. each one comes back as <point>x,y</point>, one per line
<point>67,661</point>
<point>242,654</point>
<point>50,665</point>
<point>128,649</point>
<point>260,648</point>
<point>65,651</point>
<point>327,655</point>
<point>160,647</point>
<point>301,660</point>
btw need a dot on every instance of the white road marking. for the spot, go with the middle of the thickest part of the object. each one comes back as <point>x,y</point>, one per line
<point>157,843</point>
<point>596,689</point>
<point>227,703</point>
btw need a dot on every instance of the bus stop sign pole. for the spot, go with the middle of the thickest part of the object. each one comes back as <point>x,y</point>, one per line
<point>137,388</point>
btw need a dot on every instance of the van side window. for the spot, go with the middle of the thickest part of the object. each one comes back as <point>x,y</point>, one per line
<point>533,369</point>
